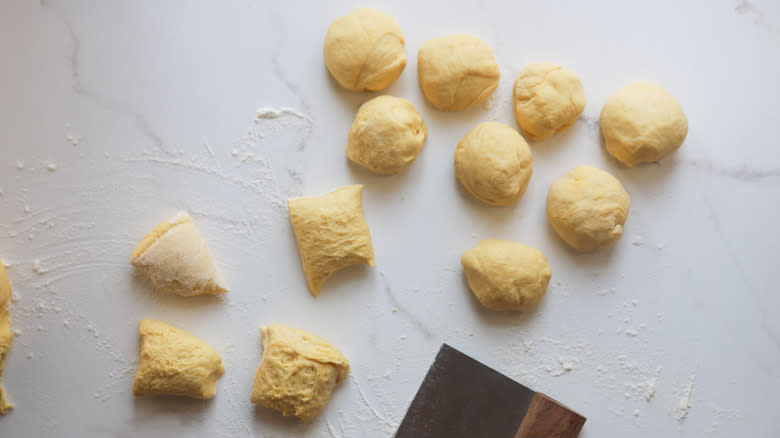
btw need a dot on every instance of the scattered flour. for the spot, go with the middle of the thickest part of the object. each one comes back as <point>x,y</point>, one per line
<point>275,113</point>
<point>637,240</point>
<point>27,209</point>
<point>51,166</point>
<point>684,401</point>
<point>20,165</point>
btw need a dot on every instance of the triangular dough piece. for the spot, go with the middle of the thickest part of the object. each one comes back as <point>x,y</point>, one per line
<point>332,233</point>
<point>176,259</point>
<point>298,372</point>
<point>175,362</point>
<point>6,336</point>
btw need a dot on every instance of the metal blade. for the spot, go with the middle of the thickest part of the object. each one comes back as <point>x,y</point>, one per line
<point>461,397</point>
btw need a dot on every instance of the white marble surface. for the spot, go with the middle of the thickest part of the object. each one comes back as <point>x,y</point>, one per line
<point>114,115</point>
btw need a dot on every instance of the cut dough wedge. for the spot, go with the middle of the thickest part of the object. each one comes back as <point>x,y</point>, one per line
<point>175,362</point>
<point>6,336</point>
<point>176,259</point>
<point>298,372</point>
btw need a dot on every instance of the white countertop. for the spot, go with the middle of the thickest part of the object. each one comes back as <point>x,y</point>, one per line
<point>114,115</point>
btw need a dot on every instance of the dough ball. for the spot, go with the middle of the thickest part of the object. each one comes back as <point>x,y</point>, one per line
<point>175,362</point>
<point>457,71</point>
<point>548,99</point>
<point>176,259</point>
<point>494,163</point>
<point>332,233</point>
<point>6,335</point>
<point>386,136</point>
<point>587,207</point>
<point>364,50</point>
<point>642,123</point>
<point>506,275</point>
<point>297,373</point>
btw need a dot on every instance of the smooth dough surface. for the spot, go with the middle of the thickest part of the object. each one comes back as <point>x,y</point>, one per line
<point>587,207</point>
<point>176,259</point>
<point>642,123</point>
<point>298,372</point>
<point>331,232</point>
<point>386,136</point>
<point>494,163</point>
<point>457,71</point>
<point>175,362</point>
<point>548,99</point>
<point>506,275</point>
<point>6,336</point>
<point>364,50</point>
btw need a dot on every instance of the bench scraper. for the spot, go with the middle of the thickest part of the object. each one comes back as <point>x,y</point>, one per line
<point>461,397</point>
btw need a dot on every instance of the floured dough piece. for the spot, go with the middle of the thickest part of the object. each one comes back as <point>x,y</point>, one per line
<point>6,336</point>
<point>298,372</point>
<point>176,259</point>
<point>364,50</point>
<point>175,362</point>
<point>331,233</point>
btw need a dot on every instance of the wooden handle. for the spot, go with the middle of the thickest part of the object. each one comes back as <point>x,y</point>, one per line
<point>546,418</point>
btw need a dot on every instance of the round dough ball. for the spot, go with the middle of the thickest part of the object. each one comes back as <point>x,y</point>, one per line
<point>494,163</point>
<point>587,207</point>
<point>548,99</point>
<point>457,71</point>
<point>364,50</point>
<point>642,123</point>
<point>506,275</point>
<point>386,136</point>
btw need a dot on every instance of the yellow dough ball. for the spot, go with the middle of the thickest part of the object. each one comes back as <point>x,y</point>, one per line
<point>642,123</point>
<point>587,207</point>
<point>386,136</point>
<point>364,50</point>
<point>506,275</point>
<point>494,163</point>
<point>297,373</point>
<point>6,335</point>
<point>548,99</point>
<point>175,362</point>
<point>457,71</point>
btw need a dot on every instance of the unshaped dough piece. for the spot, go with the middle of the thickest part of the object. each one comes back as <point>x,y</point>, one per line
<point>6,336</point>
<point>176,259</point>
<point>506,275</point>
<point>364,50</point>
<point>548,99</point>
<point>494,163</point>
<point>642,123</point>
<point>587,207</point>
<point>175,362</point>
<point>331,232</point>
<point>298,372</point>
<point>386,136</point>
<point>457,71</point>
